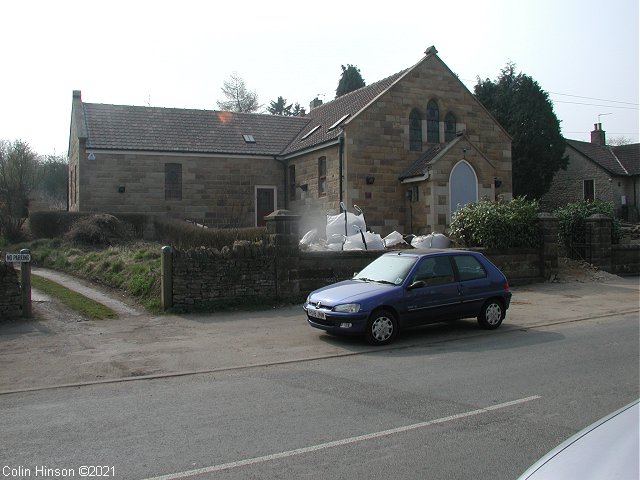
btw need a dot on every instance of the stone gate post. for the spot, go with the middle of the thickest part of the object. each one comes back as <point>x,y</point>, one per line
<point>598,233</point>
<point>549,261</point>
<point>282,227</point>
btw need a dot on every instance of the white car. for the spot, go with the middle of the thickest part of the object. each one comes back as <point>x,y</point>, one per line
<point>605,450</point>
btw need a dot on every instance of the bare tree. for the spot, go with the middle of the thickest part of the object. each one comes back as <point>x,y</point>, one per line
<point>618,141</point>
<point>239,98</point>
<point>18,177</point>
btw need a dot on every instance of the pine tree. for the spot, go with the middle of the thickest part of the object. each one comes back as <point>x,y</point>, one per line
<point>350,80</point>
<point>526,113</point>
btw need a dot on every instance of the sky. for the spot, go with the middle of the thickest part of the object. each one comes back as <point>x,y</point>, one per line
<point>584,53</point>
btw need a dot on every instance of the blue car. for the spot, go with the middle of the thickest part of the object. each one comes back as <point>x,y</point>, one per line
<point>405,289</point>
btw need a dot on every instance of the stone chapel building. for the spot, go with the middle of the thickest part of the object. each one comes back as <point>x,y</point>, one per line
<point>408,150</point>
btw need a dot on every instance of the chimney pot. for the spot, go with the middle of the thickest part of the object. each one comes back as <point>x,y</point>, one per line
<point>316,102</point>
<point>598,136</point>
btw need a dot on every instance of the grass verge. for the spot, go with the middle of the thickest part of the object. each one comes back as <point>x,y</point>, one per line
<point>74,300</point>
<point>132,268</point>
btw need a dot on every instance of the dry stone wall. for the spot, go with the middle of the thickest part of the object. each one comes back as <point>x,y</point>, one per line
<point>10,296</point>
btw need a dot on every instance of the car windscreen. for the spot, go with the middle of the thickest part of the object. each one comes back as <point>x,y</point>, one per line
<point>387,269</point>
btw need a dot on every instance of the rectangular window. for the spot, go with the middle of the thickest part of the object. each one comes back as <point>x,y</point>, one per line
<point>589,190</point>
<point>322,176</point>
<point>172,181</point>
<point>292,182</point>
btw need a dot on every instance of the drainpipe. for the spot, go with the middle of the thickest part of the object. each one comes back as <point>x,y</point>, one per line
<point>340,160</point>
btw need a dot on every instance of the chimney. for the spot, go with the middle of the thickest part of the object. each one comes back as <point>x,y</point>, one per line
<point>598,136</point>
<point>316,102</point>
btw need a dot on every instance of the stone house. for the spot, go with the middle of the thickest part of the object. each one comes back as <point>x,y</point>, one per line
<point>598,171</point>
<point>407,150</point>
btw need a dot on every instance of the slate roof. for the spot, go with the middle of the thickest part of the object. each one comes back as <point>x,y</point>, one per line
<point>124,127</point>
<point>623,160</point>
<point>419,167</point>
<point>136,128</point>
<point>327,114</point>
<point>629,156</point>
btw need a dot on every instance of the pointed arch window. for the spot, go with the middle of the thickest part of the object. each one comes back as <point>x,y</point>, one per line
<point>415,130</point>
<point>449,127</point>
<point>433,122</point>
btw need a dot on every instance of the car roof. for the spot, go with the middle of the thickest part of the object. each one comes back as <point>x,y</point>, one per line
<point>607,448</point>
<point>429,251</point>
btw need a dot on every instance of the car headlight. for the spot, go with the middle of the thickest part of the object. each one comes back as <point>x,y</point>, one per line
<point>347,308</point>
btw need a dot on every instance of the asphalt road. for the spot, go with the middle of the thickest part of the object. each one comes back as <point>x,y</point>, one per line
<point>476,407</point>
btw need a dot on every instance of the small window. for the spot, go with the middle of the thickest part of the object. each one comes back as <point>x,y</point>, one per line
<point>322,176</point>
<point>415,131</point>
<point>249,139</point>
<point>308,134</point>
<point>172,181</point>
<point>449,127</point>
<point>433,122</point>
<point>589,189</point>
<point>292,182</point>
<point>469,268</point>
<point>342,119</point>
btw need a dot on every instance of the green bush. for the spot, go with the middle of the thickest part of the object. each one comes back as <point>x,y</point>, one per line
<point>572,217</point>
<point>497,224</point>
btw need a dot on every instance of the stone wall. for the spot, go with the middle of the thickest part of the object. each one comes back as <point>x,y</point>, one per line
<point>10,296</point>
<point>568,186</point>
<point>377,150</point>
<point>119,182</point>
<point>625,259</point>
<point>206,276</point>
<point>279,270</point>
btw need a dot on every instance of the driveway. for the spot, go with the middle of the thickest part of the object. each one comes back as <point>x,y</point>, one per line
<point>58,347</point>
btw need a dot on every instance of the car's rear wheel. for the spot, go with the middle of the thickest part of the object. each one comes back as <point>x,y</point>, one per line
<point>382,327</point>
<point>492,314</point>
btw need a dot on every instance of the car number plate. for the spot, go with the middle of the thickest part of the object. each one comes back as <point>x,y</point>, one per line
<point>316,313</point>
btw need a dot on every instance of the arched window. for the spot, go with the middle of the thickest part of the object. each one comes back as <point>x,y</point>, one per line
<point>463,185</point>
<point>449,127</point>
<point>433,122</point>
<point>415,130</point>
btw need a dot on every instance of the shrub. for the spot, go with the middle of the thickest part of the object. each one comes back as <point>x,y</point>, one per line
<point>183,235</point>
<point>98,230</point>
<point>497,224</point>
<point>57,224</point>
<point>572,220</point>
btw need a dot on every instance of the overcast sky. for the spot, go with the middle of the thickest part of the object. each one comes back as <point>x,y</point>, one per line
<point>178,54</point>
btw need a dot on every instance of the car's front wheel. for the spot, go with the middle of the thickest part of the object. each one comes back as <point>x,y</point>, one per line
<point>492,314</point>
<point>382,327</point>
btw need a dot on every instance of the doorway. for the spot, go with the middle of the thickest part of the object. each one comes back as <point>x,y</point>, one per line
<point>463,185</point>
<point>265,203</point>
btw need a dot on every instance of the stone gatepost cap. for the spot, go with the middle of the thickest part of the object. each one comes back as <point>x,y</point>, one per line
<point>281,214</point>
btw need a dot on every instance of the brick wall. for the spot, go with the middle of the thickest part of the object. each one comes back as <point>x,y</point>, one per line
<point>10,296</point>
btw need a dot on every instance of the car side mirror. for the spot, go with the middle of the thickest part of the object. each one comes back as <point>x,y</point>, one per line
<point>416,284</point>
<point>355,274</point>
